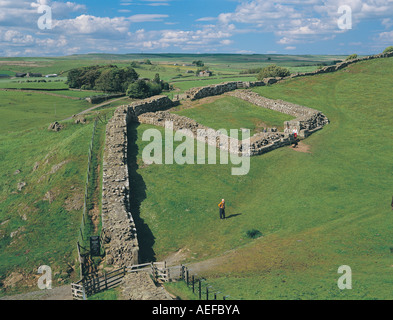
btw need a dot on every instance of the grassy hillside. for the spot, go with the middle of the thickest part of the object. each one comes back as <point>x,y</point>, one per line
<point>41,187</point>
<point>25,110</point>
<point>40,222</point>
<point>316,211</point>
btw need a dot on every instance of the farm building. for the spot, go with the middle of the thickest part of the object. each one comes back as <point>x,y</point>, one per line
<point>4,76</point>
<point>34,75</point>
<point>51,75</point>
<point>20,75</point>
<point>205,73</point>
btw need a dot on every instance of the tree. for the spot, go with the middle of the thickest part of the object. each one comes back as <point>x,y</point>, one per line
<point>351,57</point>
<point>138,90</point>
<point>198,63</point>
<point>73,78</point>
<point>388,49</point>
<point>108,78</point>
<point>273,71</point>
<point>157,78</point>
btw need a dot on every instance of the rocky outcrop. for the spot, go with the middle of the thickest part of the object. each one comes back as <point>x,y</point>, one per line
<point>55,126</point>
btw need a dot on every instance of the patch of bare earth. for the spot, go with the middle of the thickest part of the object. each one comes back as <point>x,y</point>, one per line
<point>75,201</point>
<point>304,148</point>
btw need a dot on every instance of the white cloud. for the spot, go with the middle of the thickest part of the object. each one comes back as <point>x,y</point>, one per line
<point>291,21</point>
<point>304,21</point>
<point>386,37</point>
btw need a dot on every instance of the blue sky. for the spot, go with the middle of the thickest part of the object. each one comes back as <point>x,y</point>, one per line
<point>203,26</point>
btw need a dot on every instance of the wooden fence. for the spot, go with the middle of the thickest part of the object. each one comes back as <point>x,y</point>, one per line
<point>94,283</point>
<point>159,271</point>
<point>82,238</point>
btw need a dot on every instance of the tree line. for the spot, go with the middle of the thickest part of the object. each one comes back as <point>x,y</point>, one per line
<point>111,78</point>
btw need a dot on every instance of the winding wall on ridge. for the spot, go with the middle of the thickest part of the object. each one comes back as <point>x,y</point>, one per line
<point>119,231</point>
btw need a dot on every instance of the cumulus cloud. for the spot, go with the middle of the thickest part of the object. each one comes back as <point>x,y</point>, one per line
<point>74,29</point>
<point>301,21</point>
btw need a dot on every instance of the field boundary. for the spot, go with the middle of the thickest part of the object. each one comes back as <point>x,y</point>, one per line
<point>158,271</point>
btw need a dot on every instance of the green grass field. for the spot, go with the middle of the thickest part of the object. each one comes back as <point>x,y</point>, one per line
<point>233,113</point>
<point>39,224</point>
<point>25,110</point>
<point>226,67</point>
<point>316,211</point>
<point>46,213</point>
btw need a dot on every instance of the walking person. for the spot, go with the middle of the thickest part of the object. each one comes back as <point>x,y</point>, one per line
<point>221,205</point>
<point>392,203</point>
<point>295,134</point>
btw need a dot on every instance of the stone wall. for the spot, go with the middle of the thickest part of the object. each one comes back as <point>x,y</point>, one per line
<point>118,227</point>
<point>307,120</point>
<point>102,98</point>
<point>339,66</point>
<point>259,143</point>
<point>119,232</point>
<point>218,89</point>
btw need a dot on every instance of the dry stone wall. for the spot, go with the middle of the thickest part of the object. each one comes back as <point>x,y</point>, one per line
<point>340,65</point>
<point>307,120</point>
<point>119,231</point>
<point>259,143</point>
<point>218,89</point>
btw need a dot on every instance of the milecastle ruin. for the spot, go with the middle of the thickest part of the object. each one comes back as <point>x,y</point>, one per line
<point>119,231</point>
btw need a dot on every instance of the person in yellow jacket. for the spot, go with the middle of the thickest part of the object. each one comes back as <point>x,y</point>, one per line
<point>221,205</point>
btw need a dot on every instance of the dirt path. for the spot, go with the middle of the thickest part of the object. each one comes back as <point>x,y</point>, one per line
<point>96,107</point>
<point>304,148</point>
<point>59,293</point>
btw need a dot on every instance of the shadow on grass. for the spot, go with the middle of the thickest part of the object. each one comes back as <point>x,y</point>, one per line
<point>234,215</point>
<point>137,196</point>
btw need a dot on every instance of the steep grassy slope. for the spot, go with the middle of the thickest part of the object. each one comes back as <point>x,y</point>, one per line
<point>316,211</point>
<point>42,183</point>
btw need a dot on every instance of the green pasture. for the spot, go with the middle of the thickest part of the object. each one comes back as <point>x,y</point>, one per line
<point>25,110</point>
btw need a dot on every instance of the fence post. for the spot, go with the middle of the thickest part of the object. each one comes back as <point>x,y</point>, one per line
<point>187,277</point>
<point>83,292</point>
<point>200,290</point>
<point>207,293</point>
<point>168,274</point>
<point>193,285</point>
